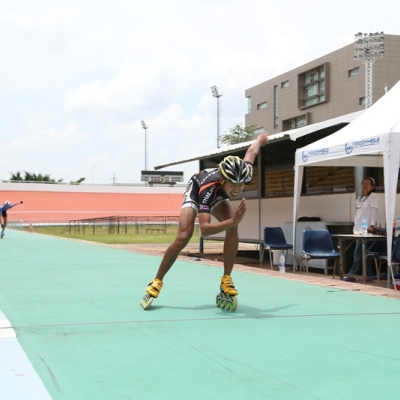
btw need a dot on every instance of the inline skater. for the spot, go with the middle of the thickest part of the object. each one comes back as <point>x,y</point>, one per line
<point>3,219</point>
<point>209,193</point>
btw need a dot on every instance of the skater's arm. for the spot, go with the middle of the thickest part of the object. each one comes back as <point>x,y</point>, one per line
<point>208,228</point>
<point>252,151</point>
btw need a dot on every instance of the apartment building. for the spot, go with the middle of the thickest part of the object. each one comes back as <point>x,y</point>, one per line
<point>325,88</point>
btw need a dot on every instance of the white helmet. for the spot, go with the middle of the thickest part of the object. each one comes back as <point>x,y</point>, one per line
<point>7,203</point>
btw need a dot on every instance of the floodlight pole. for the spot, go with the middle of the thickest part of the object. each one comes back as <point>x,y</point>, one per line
<point>216,94</point>
<point>145,127</point>
<point>368,48</point>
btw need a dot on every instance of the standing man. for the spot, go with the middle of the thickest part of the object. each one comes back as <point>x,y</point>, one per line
<point>3,219</point>
<point>207,194</point>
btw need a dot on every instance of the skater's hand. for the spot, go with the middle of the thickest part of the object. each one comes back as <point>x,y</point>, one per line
<point>240,211</point>
<point>252,151</point>
<point>263,138</point>
<point>208,227</point>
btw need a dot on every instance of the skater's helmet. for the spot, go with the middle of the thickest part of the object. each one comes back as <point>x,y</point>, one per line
<point>7,203</point>
<point>233,169</point>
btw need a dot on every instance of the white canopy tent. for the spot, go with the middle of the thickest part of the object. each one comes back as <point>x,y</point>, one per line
<point>371,140</point>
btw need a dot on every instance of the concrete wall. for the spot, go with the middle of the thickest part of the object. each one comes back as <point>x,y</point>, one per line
<point>60,203</point>
<point>47,187</point>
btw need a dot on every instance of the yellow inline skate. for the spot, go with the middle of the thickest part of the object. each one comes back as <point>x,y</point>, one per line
<point>226,299</point>
<point>152,292</point>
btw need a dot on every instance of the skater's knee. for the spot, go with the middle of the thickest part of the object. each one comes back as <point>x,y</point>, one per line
<point>233,232</point>
<point>183,238</point>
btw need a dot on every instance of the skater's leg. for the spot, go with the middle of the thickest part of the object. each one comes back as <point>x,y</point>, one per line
<point>223,212</point>
<point>185,232</point>
<point>3,225</point>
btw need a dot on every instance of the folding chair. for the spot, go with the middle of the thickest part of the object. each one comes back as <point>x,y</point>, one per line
<point>274,239</point>
<point>317,244</point>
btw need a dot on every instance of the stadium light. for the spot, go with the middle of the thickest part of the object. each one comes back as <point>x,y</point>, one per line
<point>367,49</point>
<point>145,127</point>
<point>217,95</point>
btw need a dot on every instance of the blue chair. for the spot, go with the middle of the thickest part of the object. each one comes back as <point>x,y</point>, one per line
<point>317,244</point>
<point>274,239</point>
<point>395,257</point>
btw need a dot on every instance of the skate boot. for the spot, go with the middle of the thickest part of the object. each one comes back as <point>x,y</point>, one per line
<point>2,235</point>
<point>152,292</point>
<point>227,297</point>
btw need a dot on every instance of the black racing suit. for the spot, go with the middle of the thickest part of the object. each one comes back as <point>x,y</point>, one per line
<point>204,190</point>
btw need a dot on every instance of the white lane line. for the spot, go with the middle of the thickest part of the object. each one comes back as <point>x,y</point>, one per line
<point>18,378</point>
<point>6,330</point>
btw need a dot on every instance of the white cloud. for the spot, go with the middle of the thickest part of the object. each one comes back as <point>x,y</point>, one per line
<point>147,84</point>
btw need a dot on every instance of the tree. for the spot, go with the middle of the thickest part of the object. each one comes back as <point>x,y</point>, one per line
<point>238,134</point>
<point>77,182</point>
<point>32,177</point>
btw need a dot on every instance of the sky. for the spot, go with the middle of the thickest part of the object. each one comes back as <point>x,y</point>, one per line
<point>78,77</point>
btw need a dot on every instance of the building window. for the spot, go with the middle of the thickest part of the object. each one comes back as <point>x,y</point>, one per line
<point>311,77</point>
<point>310,102</point>
<point>248,105</point>
<point>362,101</point>
<point>262,105</point>
<point>321,88</point>
<point>301,121</point>
<point>312,86</point>
<point>354,71</point>
<point>258,131</point>
<point>275,106</point>
<point>284,84</point>
<point>293,123</point>
<point>311,90</point>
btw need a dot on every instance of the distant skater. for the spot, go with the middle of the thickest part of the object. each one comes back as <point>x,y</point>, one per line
<point>209,193</point>
<point>3,219</point>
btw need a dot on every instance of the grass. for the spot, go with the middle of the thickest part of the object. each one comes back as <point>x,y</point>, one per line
<point>134,236</point>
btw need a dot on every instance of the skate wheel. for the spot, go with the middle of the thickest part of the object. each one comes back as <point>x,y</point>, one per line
<point>218,301</point>
<point>145,303</point>
<point>234,304</point>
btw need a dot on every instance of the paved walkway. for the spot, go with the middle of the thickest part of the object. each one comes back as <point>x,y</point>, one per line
<point>81,334</point>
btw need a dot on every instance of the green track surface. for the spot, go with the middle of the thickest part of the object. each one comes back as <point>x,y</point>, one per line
<point>75,309</point>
